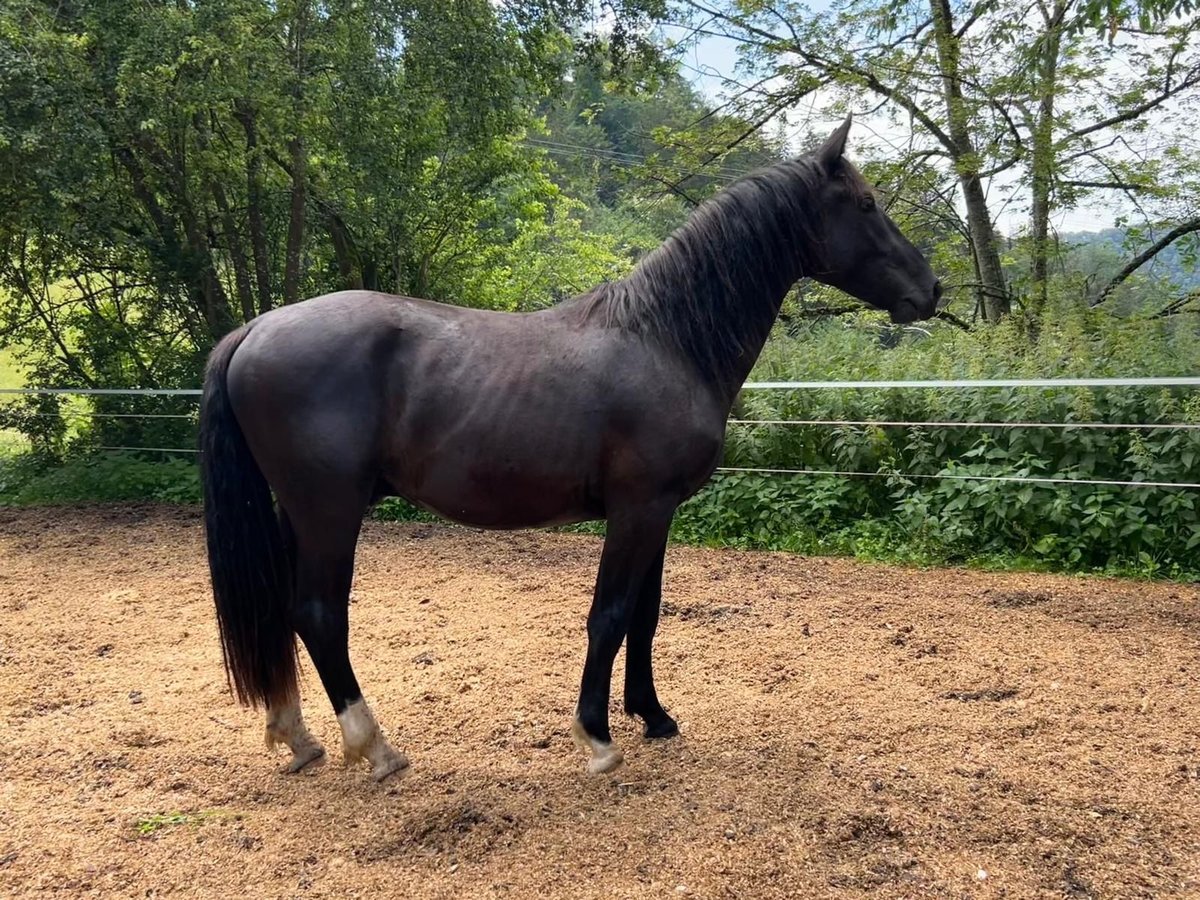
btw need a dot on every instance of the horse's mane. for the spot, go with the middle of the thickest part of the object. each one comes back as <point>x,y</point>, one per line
<point>712,289</point>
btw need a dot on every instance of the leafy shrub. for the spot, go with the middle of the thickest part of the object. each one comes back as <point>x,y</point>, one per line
<point>927,515</point>
<point>394,509</point>
<point>105,477</point>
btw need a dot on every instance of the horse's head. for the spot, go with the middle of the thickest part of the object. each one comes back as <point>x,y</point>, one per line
<point>861,251</point>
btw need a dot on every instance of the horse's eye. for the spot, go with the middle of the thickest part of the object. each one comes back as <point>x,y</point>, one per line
<point>867,203</point>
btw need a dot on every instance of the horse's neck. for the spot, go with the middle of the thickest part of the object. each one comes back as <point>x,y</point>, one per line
<point>755,339</point>
<point>727,310</point>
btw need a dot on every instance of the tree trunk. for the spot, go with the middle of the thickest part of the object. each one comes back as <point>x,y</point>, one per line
<point>190,259</point>
<point>254,208</point>
<point>992,293</point>
<point>237,256</point>
<point>344,251</point>
<point>204,285</point>
<point>1042,158</point>
<point>296,221</point>
<point>232,239</point>
<point>370,274</point>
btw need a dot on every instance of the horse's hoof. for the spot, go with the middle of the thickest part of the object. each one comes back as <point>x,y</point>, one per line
<point>308,758</point>
<point>362,740</point>
<point>384,760</point>
<point>289,731</point>
<point>606,756</point>
<point>664,728</point>
<point>394,762</point>
<point>658,723</point>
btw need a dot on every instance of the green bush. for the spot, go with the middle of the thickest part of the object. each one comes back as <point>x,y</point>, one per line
<point>394,509</point>
<point>104,477</point>
<point>1073,527</point>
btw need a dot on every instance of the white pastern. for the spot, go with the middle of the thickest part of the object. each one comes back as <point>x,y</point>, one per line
<point>285,725</point>
<point>362,739</point>
<point>605,756</point>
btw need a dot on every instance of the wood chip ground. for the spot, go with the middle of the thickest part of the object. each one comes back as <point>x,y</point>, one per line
<point>848,730</point>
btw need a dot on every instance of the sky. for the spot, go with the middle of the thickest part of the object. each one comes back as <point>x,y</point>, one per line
<point>711,58</point>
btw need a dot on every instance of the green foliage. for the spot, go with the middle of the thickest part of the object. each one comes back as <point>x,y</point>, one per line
<point>98,478</point>
<point>639,158</point>
<point>1068,103</point>
<point>1083,527</point>
<point>545,260</point>
<point>168,171</point>
<point>896,515</point>
<point>394,509</point>
<point>1106,16</point>
<point>11,375</point>
<point>151,825</point>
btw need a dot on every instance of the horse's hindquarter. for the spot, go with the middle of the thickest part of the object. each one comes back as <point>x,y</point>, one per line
<point>308,384</point>
<point>508,421</point>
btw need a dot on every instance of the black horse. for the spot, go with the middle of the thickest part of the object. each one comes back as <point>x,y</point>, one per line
<point>610,406</point>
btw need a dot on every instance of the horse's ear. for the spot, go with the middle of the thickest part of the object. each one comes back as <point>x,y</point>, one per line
<point>830,154</point>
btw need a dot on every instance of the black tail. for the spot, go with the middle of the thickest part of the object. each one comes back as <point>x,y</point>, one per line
<point>250,566</point>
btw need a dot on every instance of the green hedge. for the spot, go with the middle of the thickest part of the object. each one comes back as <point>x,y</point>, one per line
<point>30,479</point>
<point>1071,527</point>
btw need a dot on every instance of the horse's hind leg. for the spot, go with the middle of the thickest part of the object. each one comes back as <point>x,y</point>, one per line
<point>641,699</point>
<point>324,570</point>
<point>285,723</point>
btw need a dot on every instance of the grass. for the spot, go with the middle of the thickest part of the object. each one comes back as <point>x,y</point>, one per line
<point>148,826</point>
<point>11,376</point>
<point>866,541</point>
<point>118,478</point>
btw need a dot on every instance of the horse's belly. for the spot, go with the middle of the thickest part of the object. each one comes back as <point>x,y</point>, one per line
<point>531,510</point>
<point>489,492</point>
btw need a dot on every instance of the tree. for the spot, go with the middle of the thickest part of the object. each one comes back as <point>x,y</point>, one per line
<point>1030,99</point>
<point>641,152</point>
<point>168,170</point>
<point>794,55</point>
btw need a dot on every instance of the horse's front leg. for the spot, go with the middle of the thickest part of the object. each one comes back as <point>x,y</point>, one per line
<point>631,548</point>
<point>641,699</point>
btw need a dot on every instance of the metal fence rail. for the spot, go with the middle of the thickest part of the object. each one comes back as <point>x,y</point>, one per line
<point>932,384</point>
<point>973,384</point>
<point>113,392</point>
<point>954,476</point>
<point>966,384</point>
<point>884,423</point>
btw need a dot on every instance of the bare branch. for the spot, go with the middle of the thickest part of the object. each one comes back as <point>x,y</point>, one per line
<point>1146,255</point>
<point>1176,306</point>
<point>867,77</point>
<point>1107,185</point>
<point>1169,91</point>
<point>946,316</point>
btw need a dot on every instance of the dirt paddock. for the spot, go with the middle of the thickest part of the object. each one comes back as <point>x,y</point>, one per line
<point>847,730</point>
